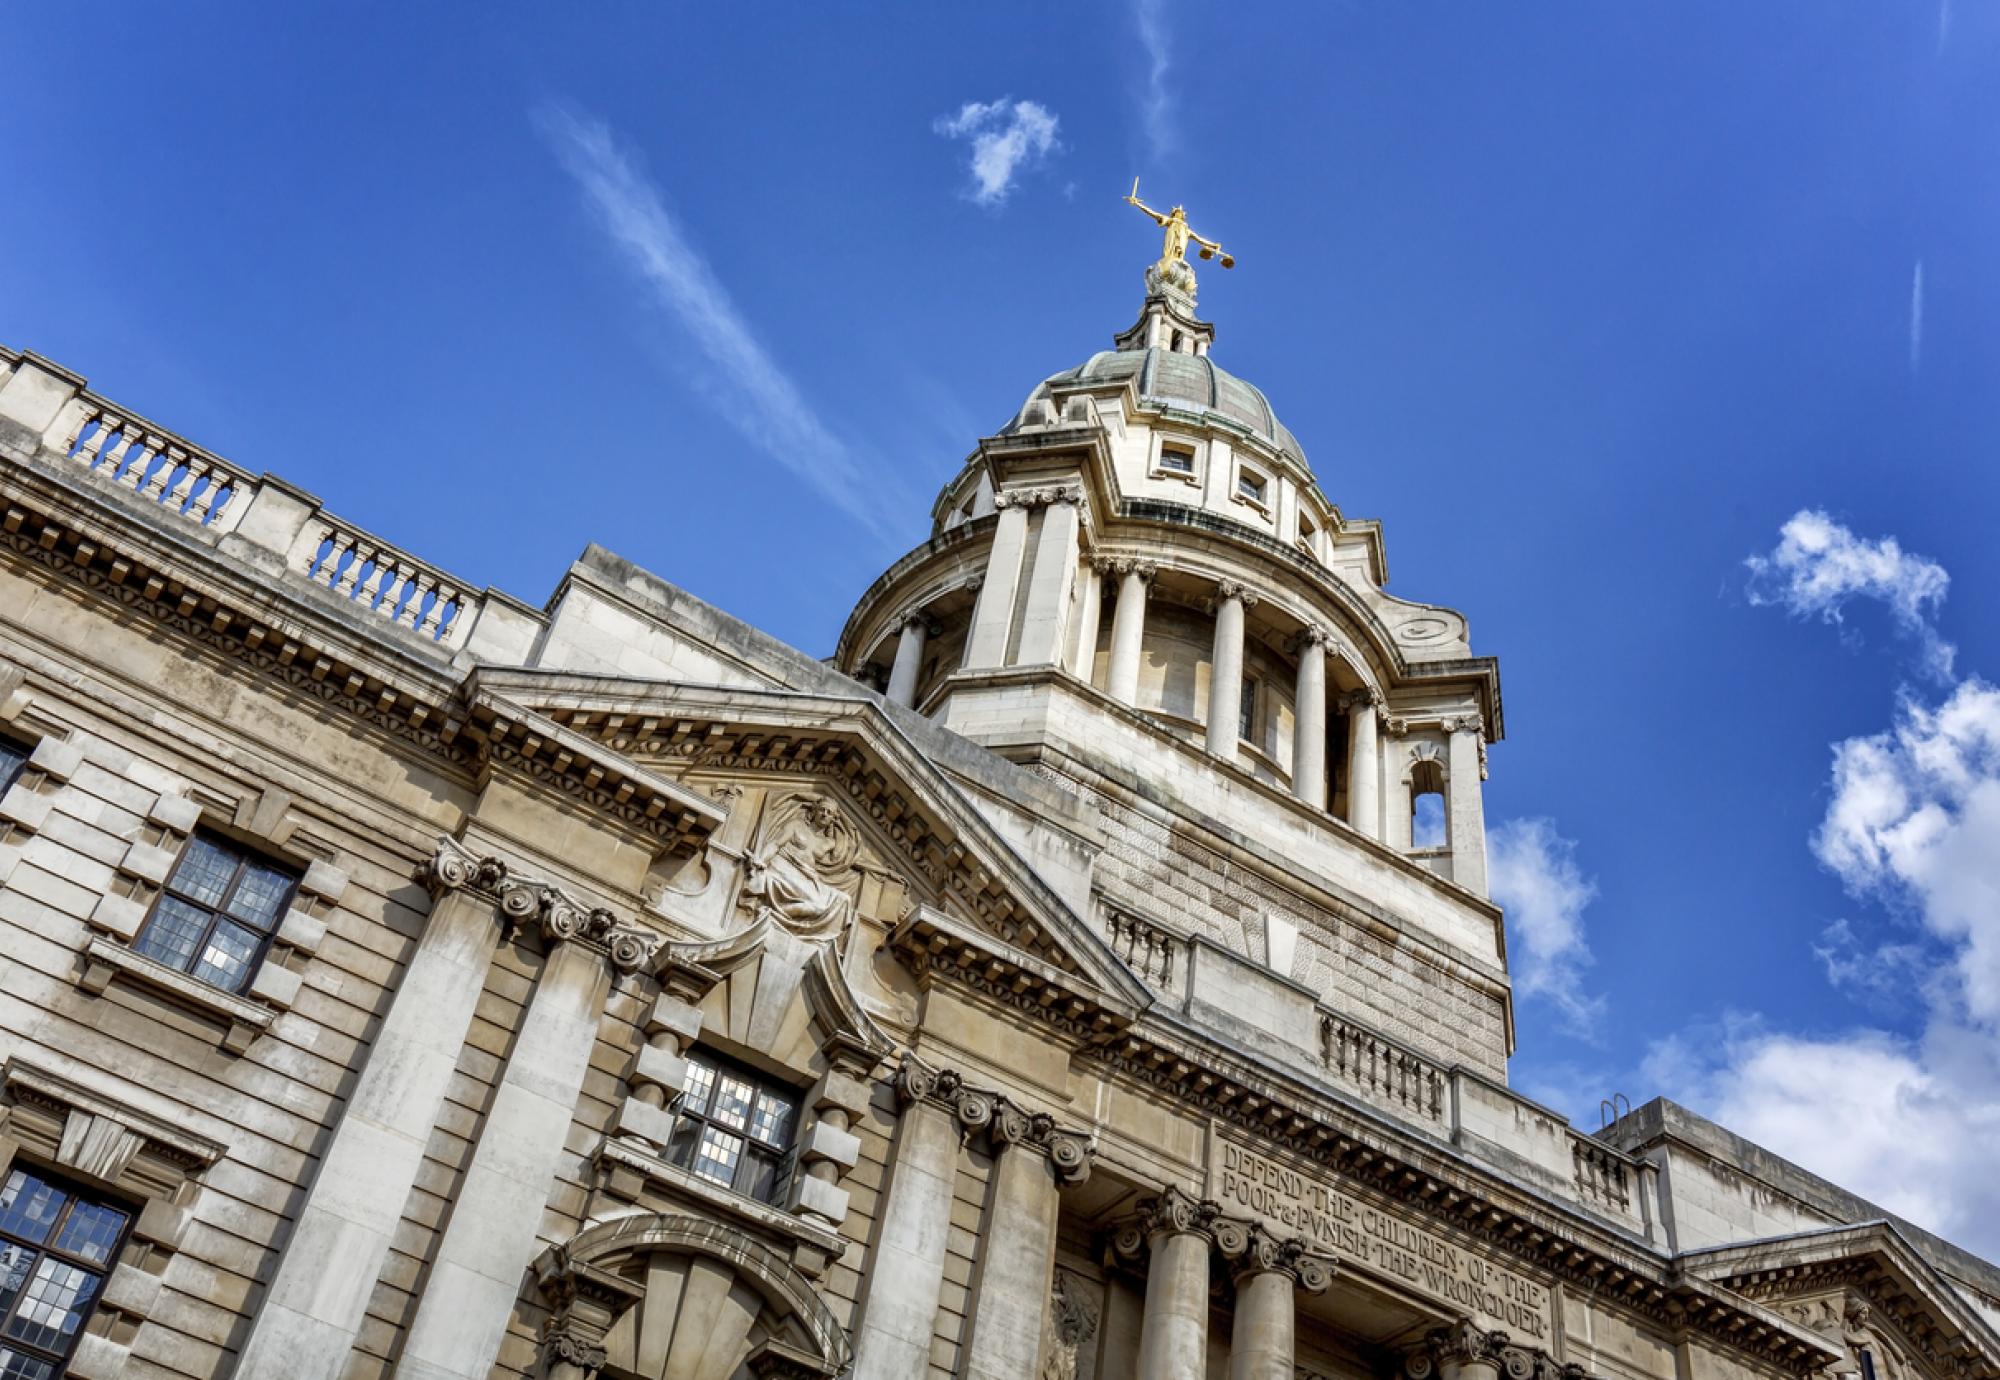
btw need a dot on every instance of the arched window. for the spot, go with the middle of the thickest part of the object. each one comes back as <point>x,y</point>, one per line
<point>1427,816</point>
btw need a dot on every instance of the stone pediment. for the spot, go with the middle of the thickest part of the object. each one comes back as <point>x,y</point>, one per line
<point>1852,1283</point>
<point>850,749</point>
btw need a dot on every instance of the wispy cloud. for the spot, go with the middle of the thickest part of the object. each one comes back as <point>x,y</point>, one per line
<point>1819,566</point>
<point>1155,103</point>
<point>1917,318</point>
<point>754,393</point>
<point>1007,137</point>
<point>1533,874</point>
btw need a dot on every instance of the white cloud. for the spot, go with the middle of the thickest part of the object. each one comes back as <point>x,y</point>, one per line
<point>1007,137</point>
<point>1532,873</point>
<point>1819,566</point>
<point>1155,104</point>
<point>1913,822</point>
<point>1906,1124</point>
<point>754,393</point>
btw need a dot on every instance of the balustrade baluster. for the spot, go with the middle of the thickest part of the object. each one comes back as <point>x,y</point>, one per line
<point>204,502</point>
<point>350,577</point>
<point>171,459</point>
<point>177,500</point>
<point>89,450</point>
<point>371,592</point>
<point>323,573</point>
<point>137,459</point>
<point>433,619</point>
<point>413,606</point>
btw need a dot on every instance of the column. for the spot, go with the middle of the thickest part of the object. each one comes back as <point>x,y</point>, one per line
<point>1089,609</point>
<point>1269,1272</point>
<point>1465,815</point>
<point>1396,800</point>
<point>1128,631</point>
<point>1033,1161</point>
<point>993,615</point>
<point>319,1296</point>
<point>492,1232</point>
<point>899,1309</point>
<point>913,629</point>
<point>1364,764</point>
<point>1051,578</point>
<point>1464,1351</point>
<point>1173,1232</point>
<point>1309,719</point>
<point>1225,680</point>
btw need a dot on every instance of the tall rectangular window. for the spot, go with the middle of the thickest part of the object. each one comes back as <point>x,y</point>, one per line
<point>216,913</point>
<point>735,1128</point>
<point>1246,712</point>
<point>56,1246</point>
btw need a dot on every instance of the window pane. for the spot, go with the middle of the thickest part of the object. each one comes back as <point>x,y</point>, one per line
<point>54,1305</point>
<point>174,933</point>
<point>205,871</point>
<point>732,1102</point>
<point>773,1122</point>
<point>716,1158</point>
<point>260,895</point>
<point>12,759</point>
<point>760,1177</point>
<point>90,1231</point>
<point>29,1207</point>
<point>225,960</point>
<point>701,1082</point>
<point>19,1365</point>
<point>687,1135</point>
<point>15,1263</point>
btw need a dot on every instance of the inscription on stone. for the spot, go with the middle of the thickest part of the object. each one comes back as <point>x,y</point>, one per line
<point>1377,1241</point>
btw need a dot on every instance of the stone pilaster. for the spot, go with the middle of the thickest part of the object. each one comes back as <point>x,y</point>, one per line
<point>1364,762</point>
<point>319,1297</point>
<point>993,614</point>
<point>1051,577</point>
<point>1089,609</point>
<point>1467,813</point>
<point>490,1239</point>
<point>1033,1161</point>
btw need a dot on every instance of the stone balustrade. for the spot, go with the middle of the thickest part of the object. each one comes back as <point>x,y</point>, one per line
<point>392,584</point>
<point>1603,1175</point>
<point>194,488</point>
<point>1154,954</point>
<point>149,461</point>
<point>1381,1070</point>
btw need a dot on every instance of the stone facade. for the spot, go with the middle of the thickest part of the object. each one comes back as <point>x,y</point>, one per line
<point>1087,975</point>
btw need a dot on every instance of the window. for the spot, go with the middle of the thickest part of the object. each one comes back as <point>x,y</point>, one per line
<point>1251,486</point>
<point>1307,532</point>
<point>216,913</point>
<point>735,1128</point>
<point>1176,460</point>
<point>1246,712</point>
<point>13,757</point>
<point>56,1246</point>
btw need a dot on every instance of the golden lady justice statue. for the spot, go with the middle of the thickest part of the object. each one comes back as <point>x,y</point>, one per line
<point>1179,232</point>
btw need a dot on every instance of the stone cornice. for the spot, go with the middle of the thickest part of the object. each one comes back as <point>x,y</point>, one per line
<point>398,685</point>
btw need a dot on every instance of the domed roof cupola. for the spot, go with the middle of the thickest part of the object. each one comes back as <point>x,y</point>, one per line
<point>1139,570</point>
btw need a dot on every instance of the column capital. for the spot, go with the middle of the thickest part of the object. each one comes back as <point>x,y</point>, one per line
<point>562,918</point>
<point>1466,1343</point>
<point>1069,1153</point>
<point>1254,1249</point>
<point>915,618</point>
<point>1174,1212</point>
<point>1464,723</point>
<point>1366,698</point>
<point>1041,497</point>
<point>1311,635</point>
<point>1225,590</point>
<point>453,867</point>
<point>1122,566</point>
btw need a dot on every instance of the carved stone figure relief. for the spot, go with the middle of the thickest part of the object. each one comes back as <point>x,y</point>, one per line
<point>802,872</point>
<point>1074,1306</point>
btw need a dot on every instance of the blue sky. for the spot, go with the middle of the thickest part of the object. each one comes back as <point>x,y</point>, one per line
<point>1586,302</point>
